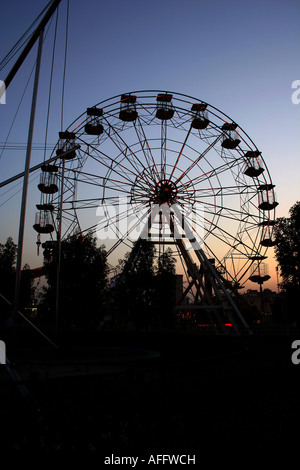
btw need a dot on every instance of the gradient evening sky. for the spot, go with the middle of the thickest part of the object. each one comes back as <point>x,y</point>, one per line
<point>239,56</point>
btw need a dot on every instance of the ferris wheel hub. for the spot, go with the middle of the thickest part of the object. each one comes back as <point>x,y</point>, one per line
<point>164,192</point>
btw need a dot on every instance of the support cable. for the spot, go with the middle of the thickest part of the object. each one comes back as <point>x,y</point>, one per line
<point>51,81</point>
<point>18,108</point>
<point>4,147</point>
<point>35,36</point>
<point>65,66</point>
<point>15,49</point>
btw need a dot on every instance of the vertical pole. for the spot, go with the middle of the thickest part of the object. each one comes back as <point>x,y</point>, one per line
<point>261,291</point>
<point>25,182</point>
<point>59,251</point>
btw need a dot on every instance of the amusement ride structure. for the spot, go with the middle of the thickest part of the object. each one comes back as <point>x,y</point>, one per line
<point>169,168</point>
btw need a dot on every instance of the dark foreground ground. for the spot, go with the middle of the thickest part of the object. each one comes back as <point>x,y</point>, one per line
<point>203,395</point>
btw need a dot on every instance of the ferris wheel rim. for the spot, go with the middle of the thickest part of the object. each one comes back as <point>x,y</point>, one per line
<point>183,97</point>
<point>157,91</point>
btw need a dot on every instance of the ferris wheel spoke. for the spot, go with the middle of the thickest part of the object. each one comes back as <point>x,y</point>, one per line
<point>118,186</point>
<point>127,152</point>
<point>180,153</point>
<point>96,180</point>
<point>224,236</point>
<point>211,207</point>
<point>222,211</point>
<point>91,203</point>
<point>111,222</point>
<point>240,270</point>
<point>230,212</point>
<point>249,229</point>
<point>113,218</point>
<point>220,264</point>
<point>145,147</point>
<point>216,199</point>
<point>214,172</point>
<point>221,191</point>
<point>128,232</point>
<point>195,162</point>
<point>225,216</point>
<point>163,149</point>
<point>112,165</point>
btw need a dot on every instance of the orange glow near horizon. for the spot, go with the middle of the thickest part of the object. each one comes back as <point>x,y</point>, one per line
<point>271,284</point>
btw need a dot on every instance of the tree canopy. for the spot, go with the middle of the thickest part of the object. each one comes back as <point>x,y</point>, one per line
<point>145,291</point>
<point>134,292</point>
<point>8,254</point>
<point>287,249</point>
<point>287,252</point>
<point>83,279</point>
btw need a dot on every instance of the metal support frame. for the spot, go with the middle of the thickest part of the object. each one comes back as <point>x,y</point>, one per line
<point>59,252</point>
<point>39,165</point>
<point>35,36</point>
<point>25,182</point>
<point>207,273</point>
<point>38,34</point>
<point>215,280</point>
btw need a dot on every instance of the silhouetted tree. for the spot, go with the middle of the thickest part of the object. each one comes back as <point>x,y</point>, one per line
<point>8,254</point>
<point>287,252</point>
<point>83,279</point>
<point>134,291</point>
<point>166,288</point>
<point>287,249</point>
<point>145,294</point>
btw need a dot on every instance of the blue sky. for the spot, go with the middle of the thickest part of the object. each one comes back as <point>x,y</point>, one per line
<point>240,57</point>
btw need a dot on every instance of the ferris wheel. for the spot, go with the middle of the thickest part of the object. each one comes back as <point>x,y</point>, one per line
<point>139,150</point>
